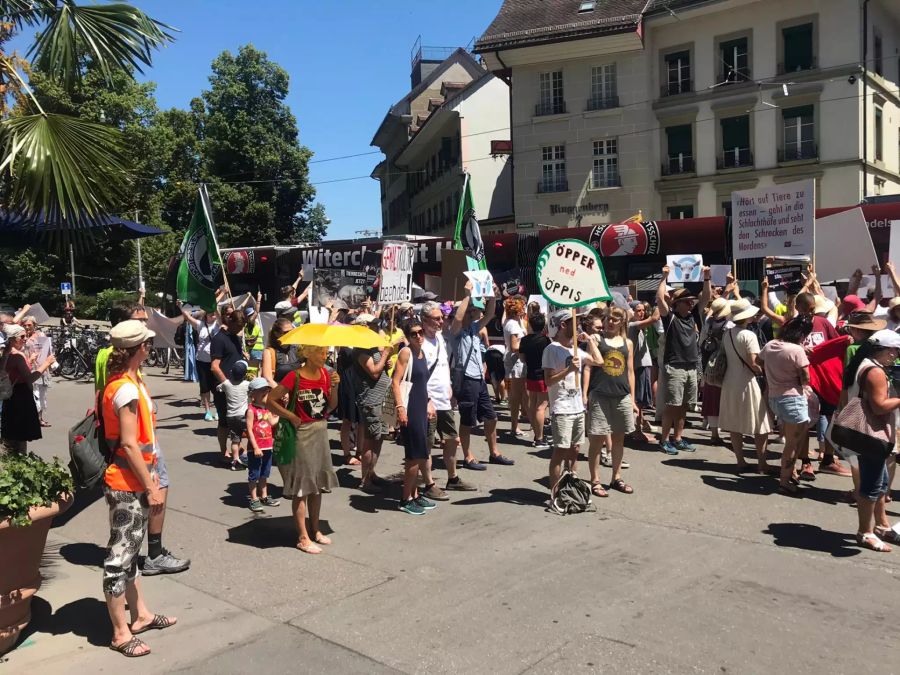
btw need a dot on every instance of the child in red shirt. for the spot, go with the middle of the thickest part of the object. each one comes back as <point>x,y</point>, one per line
<point>260,434</point>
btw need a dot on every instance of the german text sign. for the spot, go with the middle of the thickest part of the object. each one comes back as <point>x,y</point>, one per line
<point>570,274</point>
<point>396,273</point>
<point>775,220</point>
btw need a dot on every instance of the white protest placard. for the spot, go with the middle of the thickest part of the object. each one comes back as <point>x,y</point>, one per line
<point>396,273</point>
<point>482,283</point>
<point>843,244</point>
<point>164,327</point>
<point>570,274</point>
<point>894,245</point>
<point>775,220</point>
<point>39,313</point>
<point>718,274</point>
<point>685,267</point>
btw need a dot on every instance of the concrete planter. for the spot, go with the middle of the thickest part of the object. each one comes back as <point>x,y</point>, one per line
<point>20,577</point>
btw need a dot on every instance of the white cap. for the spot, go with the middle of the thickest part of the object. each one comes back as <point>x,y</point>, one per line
<point>886,338</point>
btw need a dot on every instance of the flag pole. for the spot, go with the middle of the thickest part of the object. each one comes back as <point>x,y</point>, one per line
<point>207,209</point>
<point>575,346</point>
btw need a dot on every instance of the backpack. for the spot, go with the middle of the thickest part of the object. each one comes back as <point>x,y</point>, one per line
<point>180,333</point>
<point>711,344</point>
<point>716,366</point>
<point>571,494</point>
<point>88,448</point>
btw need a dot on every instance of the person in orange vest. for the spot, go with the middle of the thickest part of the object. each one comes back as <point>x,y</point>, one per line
<point>131,485</point>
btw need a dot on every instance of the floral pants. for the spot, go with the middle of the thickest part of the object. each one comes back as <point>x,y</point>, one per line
<point>128,515</point>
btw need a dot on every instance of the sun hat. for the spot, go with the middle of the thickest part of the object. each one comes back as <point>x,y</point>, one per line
<point>129,334</point>
<point>405,306</point>
<point>851,303</point>
<point>258,383</point>
<point>560,316</point>
<point>865,321</point>
<point>743,309</point>
<point>886,338</point>
<point>823,305</point>
<point>13,330</point>
<point>363,319</point>
<point>720,308</point>
<point>682,294</point>
<point>895,301</point>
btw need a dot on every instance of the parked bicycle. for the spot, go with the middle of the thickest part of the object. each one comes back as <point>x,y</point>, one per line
<point>76,351</point>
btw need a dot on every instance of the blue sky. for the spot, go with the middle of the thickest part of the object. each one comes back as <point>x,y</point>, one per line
<point>348,61</point>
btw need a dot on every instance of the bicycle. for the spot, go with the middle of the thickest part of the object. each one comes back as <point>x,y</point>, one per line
<point>76,352</point>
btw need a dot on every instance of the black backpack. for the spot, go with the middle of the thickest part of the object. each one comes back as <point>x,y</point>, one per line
<point>712,342</point>
<point>89,451</point>
<point>180,332</point>
<point>571,494</point>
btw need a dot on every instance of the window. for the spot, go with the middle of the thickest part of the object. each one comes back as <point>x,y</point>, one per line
<point>799,133</point>
<point>679,144</point>
<point>586,6</point>
<point>735,64</point>
<point>680,212</point>
<point>879,134</point>
<point>552,103</point>
<point>603,87</point>
<point>798,48</point>
<point>878,52</point>
<point>605,172</point>
<point>678,73</point>
<point>726,209</point>
<point>735,142</point>
<point>553,169</point>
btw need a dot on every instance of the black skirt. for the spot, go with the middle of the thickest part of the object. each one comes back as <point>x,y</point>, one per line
<point>20,420</point>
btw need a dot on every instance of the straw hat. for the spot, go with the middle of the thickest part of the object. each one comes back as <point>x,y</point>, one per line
<point>720,308</point>
<point>742,309</point>
<point>823,305</point>
<point>865,321</point>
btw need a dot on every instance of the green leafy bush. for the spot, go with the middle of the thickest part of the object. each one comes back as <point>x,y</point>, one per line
<point>26,480</point>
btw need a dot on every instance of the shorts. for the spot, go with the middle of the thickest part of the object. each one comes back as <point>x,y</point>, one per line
<point>236,428</point>
<point>790,409</point>
<point>474,403</point>
<point>259,467</point>
<point>610,415</point>
<point>221,407</point>
<point>129,513</point>
<point>873,478</point>
<point>446,424</point>
<point>256,355</point>
<point>681,386</point>
<point>494,362</point>
<point>204,376</point>
<point>567,430</point>
<point>161,469</point>
<point>643,387</point>
<point>538,386</point>
<point>370,417</point>
<point>514,366</point>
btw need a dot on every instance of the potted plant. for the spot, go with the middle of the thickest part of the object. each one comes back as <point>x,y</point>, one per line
<point>32,491</point>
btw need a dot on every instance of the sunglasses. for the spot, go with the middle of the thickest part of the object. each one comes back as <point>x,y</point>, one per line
<point>416,333</point>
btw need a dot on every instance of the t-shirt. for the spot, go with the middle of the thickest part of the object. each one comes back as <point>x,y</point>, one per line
<point>435,350</point>
<point>512,328</point>
<point>564,396</point>
<point>262,428</point>
<point>100,366</point>
<point>369,392</point>
<point>822,331</point>
<point>532,348</point>
<point>682,340</point>
<point>783,363</point>
<point>312,395</point>
<point>467,348</point>
<point>227,348</point>
<point>236,395</point>
<point>204,339</point>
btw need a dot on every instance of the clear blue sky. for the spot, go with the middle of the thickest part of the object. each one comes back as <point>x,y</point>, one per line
<point>348,61</point>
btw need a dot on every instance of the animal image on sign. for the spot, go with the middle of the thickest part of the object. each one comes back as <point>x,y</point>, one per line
<point>570,274</point>
<point>684,267</point>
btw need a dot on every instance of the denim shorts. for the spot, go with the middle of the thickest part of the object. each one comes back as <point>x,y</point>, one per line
<point>873,478</point>
<point>259,467</point>
<point>161,469</point>
<point>791,409</point>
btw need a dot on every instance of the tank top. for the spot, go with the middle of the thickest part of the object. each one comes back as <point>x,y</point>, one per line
<point>611,379</point>
<point>262,428</point>
<point>285,362</point>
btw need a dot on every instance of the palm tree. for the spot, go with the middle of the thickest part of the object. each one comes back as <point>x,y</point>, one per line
<point>54,166</point>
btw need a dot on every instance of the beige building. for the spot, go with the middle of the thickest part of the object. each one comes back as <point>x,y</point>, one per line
<point>449,124</point>
<point>668,106</point>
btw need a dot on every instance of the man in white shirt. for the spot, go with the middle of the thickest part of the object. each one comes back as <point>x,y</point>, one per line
<point>439,391</point>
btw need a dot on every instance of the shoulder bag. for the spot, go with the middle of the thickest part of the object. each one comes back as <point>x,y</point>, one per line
<point>458,373</point>
<point>284,443</point>
<point>858,428</point>
<point>389,407</point>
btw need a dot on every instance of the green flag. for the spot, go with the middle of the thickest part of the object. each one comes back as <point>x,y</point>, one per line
<point>468,232</point>
<point>200,270</point>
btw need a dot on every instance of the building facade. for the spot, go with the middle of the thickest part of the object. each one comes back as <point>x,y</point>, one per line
<point>447,126</point>
<point>667,107</point>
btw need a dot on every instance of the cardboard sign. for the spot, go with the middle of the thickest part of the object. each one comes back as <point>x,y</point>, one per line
<point>718,274</point>
<point>345,288</point>
<point>843,244</point>
<point>685,267</point>
<point>788,279</point>
<point>570,274</point>
<point>482,283</point>
<point>776,220</point>
<point>396,273</point>
<point>894,245</point>
<point>39,313</point>
<point>164,327</point>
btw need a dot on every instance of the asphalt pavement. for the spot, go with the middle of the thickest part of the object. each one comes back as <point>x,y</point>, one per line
<point>700,570</point>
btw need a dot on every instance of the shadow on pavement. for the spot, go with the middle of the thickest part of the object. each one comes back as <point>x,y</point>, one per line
<point>813,538</point>
<point>747,483</point>
<point>206,431</point>
<point>86,617</point>
<point>83,499</point>
<point>519,496</point>
<point>269,532</point>
<point>238,494</point>
<point>383,501</point>
<point>209,458</point>
<point>699,464</point>
<point>87,554</point>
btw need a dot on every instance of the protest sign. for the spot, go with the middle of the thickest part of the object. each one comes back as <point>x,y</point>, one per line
<point>570,274</point>
<point>684,267</point>
<point>345,288</point>
<point>396,273</point>
<point>894,245</point>
<point>164,327</point>
<point>788,279</point>
<point>39,313</point>
<point>775,220</point>
<point>718,274</point>
<point>843,244</point>
<point>482,283</point>
<point>867,285</point>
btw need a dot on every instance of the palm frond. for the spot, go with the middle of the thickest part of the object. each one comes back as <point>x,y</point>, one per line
<point>61,167</point>
<point>115,35</point>
<point>24,12</point>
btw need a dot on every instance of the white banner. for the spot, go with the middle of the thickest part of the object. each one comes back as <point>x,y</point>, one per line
<point>843,244</point>
<point>164,327</point>
<point>396,273</point>
<point>776,220</point>
<point>482,283</point>
<point>894,246</point>
<point>570,274</point>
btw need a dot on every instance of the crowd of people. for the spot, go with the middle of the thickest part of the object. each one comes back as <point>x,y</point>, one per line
<point>781,368</point>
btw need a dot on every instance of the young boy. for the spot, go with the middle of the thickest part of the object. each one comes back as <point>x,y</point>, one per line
<point>259,424</point>
<point>235,389</point>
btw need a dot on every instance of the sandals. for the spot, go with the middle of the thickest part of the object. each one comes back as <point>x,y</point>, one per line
<point>598,491</point>
<point>159,622</point>
<point>621,486</point>
<point>887,534</point>
<point>873,543</point>
<point>311,547</point>
<point>322,539</point>
<point>130,648</point>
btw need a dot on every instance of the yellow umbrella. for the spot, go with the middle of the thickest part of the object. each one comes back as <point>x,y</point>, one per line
<point>326,335</point>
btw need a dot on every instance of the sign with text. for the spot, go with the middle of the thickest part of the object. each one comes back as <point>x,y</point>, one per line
<point>482,283</point>
<point>684,267</point>
<point>570,274</point>
<point>346,289</point>
<point>775,220</point>
<point>788,279</point>
<point>65,288</point>
<point>396,273</point>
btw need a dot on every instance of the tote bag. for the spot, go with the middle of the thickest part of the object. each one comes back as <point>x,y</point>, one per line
<point>389,408</point>
<point>858,428</point>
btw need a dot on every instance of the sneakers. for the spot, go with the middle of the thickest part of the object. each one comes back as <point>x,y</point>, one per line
<point>500,459</point>
<point>270,501</point>
<point>834,467</point>
<point>474,465</point>
<point>540,445</point>
<point>684,446</point>
<point>165,563</point>
<point>236,466</point>
<point>605,459</point>
<point>215,415</point>
<point>256,506</point>
<point>412,508</point>
<point>459,485</point>
<point>424,503</point>
<point>434,492</point>
<point>668,448</point>
<point>208,416</point>
<point>806,472</point>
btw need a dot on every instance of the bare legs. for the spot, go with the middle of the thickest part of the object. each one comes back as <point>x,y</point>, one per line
<point>537,413</point>
<point>560,455</point>
<point>309,535</point>
<point>672,420</point>
<point>371,450</point>
<point>140,615</point>
<point>516,393</point>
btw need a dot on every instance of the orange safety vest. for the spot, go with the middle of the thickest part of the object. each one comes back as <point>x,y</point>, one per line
<point>119,475</point>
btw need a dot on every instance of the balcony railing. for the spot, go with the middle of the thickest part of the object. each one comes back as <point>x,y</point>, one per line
<point>553,185</point>
<point>602,103</point>
<point>796,152</point>
<point>550,108</point>
<point>730,76</point>
<point>606,180</point>
<point>808,64</point>
<point>735,158</point>
<point>678,164</point>
<point>677,87</point>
